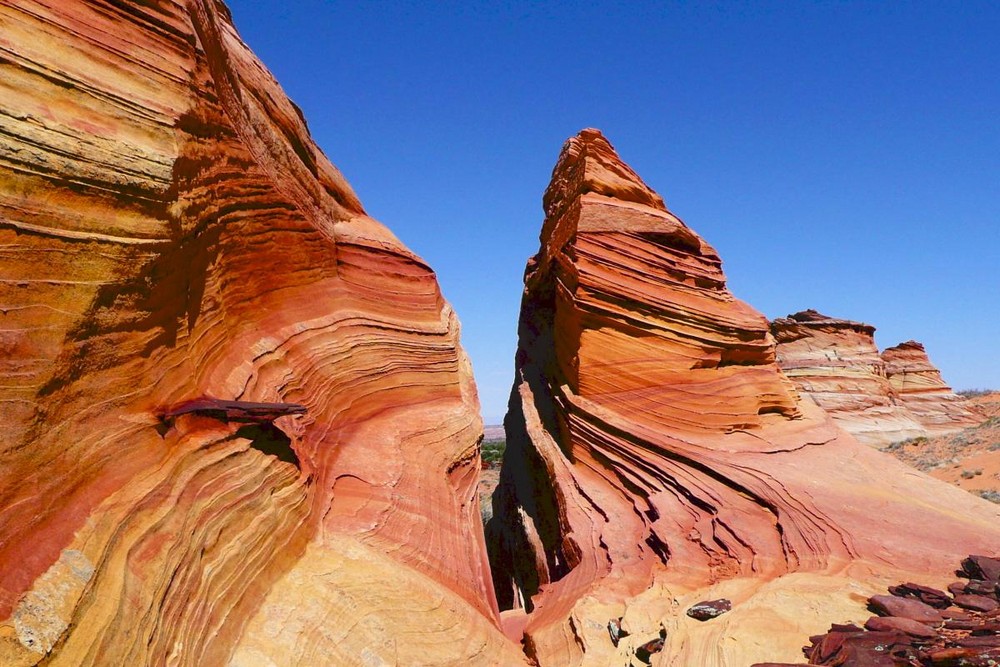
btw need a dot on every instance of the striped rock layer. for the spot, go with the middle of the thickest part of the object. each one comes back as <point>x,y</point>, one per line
<point>837,364</point>
<point>657,456</point>
<point>923,391</point>
<point>878,398</point>
<point>171,236</point>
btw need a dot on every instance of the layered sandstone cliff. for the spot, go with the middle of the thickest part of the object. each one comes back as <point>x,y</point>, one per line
<point>237,423</point>
<point>878,398</point>
<point>657,456</point>
<point>837,364</point>
<point>923,391</point>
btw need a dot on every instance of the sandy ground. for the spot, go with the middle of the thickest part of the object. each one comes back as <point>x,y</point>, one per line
<point>970,459</point>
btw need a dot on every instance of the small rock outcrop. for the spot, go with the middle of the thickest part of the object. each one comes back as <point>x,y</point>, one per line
<point>922,390</point>
<point>709,609</point>
<point>657,456</point>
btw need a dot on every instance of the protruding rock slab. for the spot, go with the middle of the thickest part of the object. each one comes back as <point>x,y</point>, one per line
<point>237,411</point>
<point>709,609</point>
<point>657,456</point>
<point>915,610</point>
<point>169,230</point>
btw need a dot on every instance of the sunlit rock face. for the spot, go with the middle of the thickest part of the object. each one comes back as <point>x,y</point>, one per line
<point>171,234</point>
<point>923,391</point>
<point>837,364</point>
<point>657,457</point>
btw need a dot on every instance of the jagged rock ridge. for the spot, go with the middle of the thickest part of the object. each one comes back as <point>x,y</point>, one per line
<point>171,233</point>
<point>657,456</point>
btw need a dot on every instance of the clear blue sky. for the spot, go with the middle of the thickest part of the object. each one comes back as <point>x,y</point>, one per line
<point>843,156</point>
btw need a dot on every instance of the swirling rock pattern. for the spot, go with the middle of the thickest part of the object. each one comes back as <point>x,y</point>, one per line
<point>170,233</point>
<point>657,456</point>
<point>923,391</point>
<point>837,364</point>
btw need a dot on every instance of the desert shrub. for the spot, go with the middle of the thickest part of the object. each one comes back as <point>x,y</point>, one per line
<point>900,444</point>
<point>989,494</point>
<point>973,393</point>
<point>969,474</point>
<point>492,450</point>
<point>960,439</point>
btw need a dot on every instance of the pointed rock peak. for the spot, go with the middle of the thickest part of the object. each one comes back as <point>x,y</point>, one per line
<point>589,163</point>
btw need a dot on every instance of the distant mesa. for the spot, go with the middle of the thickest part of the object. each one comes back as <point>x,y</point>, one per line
<point>837,364</point>
<point>879,398</point>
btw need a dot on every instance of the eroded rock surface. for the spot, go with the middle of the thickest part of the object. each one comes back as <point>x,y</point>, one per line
<point>657,456</point>
<point>837,364</point>
<point>170,232</point>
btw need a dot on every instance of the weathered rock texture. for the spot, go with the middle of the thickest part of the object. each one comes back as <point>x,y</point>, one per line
<point>922,390</point>
<point>170,233</point>
<point>836,363</point>
<point>657,457</point>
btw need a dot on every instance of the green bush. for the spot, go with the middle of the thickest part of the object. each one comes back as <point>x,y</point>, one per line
<point>492,451</point>
<point>900,444</point>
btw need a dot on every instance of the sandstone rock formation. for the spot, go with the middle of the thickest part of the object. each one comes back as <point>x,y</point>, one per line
<point>657,457</point>
<point>170,233</point>
<point>922,390</point>
<point>837,364</point>
<point>880,399</point>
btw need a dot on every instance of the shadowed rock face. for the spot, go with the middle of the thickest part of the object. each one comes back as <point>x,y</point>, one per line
<point>657,457</point>
<point>836,363</point>
<point>171,232</point>
<point>922,390</point>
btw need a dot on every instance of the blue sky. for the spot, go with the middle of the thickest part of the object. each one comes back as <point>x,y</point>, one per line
<point>843,156</point>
